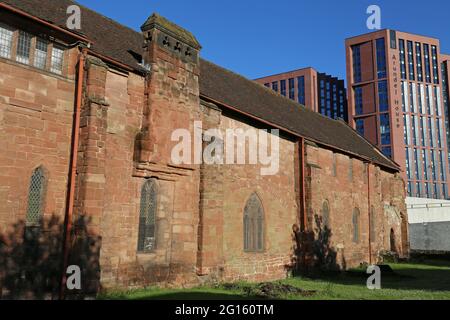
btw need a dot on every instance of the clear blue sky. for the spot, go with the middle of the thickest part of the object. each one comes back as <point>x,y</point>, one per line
<point>260,37</point>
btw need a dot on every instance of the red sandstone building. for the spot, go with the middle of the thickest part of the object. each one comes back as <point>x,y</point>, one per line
<point>398,100</point>
<point>317,91</point>
<point>87,179</point>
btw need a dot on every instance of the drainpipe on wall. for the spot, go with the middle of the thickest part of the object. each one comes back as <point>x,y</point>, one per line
<point>72,175</point>
<point>304,218</point>
<point>369,210</point>
<point>302,236</point>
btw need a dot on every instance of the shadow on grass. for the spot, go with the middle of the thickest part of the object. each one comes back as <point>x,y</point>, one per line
<point>196,294</point>
<point>432,276</point>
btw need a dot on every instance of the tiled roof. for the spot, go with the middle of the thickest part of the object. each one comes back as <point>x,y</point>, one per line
<point>123,44</point>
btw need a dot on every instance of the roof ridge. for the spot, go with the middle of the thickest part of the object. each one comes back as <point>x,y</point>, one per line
<point>292,102</point>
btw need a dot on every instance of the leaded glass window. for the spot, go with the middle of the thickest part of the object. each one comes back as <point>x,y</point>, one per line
<point>356,231</point>
<point>36,197</point>
<point>40,54</point>
<point>6,39</point>
<point>23,47</point>
<point>147,217</point>
<point>326,215</point>
<point>372,225</point>
<point>253,225</point>
<point>57,60</point>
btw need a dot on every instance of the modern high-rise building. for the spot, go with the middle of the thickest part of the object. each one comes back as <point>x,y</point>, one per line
<point>317,91</point>
<point>398,100</point>
<point>445,69</point>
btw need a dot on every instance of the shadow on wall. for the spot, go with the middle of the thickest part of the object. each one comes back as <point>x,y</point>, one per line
<point>31,259</point>
<point>313,251</point>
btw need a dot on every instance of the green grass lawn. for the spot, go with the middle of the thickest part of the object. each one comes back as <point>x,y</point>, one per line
<point>425,280</point>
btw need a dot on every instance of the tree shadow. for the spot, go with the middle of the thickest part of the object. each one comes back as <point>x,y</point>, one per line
<point>199,296</point>
<point>314,258</point>
<point>409,276</point>
<point>313,252</point>
<point>31,259</point>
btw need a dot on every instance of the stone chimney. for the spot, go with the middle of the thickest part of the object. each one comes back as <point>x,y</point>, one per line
<point>171,54</point>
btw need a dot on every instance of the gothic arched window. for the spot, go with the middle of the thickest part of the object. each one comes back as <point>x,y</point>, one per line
<point>253,225</point>
<point>356,231</point>
<point>372,231</point>
<point>36,197</point>
<point>147,217</point>
<point>392,241</point>
<point>326,214</point>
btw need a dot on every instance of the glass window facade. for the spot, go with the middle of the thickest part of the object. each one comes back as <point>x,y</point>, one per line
<point>412,97</point>
<point>419,61</point>
<point>433,164</point>
<point>405,101</point>
<point>381,58</point>
<point>415,130</point>
<point>431,133</point>
<point>418,189</point>
<point>426,52</point>
<point>385,129</point>
<point>275,86</point>
<point>408,164</point>
<point>406,127</point>
<point>416,165</point>
<point>421,100</point>
<point>434,59</point>
<point>356,64</point>
<point>428,188</point>
<point>428,164</point>
<point>358,101</point>
<point>383,96</point>
<point>335,101</point>
<point>437,101</point>
<point>428,100</point>
<point>423,136</point>
<point>425,165</point>
<point>283,87</point>
<point>387,151</point>
<point>411,66</point>
<point>443,171</point>
<point>342,107</point>
<point>292,89</point>
<point>445,94</point>
<point>301,90</point>
<point>439,130</point>
<point>360,126</point>
<point>401,47</point>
